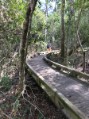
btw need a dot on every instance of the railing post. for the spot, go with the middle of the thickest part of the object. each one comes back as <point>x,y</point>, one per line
<point>84,61</point>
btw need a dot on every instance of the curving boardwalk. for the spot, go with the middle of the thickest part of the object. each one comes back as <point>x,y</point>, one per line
<point>74,90</point>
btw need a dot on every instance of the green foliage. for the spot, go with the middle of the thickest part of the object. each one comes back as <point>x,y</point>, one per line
<point>12,14</point>
<point>40,116</point>
<point>38,25</point>
<point>84,27</point>
<point>16,106</point>
<point>41,46</point>
<point>5,83</point>
<point>54,26</point>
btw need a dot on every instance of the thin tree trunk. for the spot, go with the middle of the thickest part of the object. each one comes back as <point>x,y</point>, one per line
<point>62,31</point>
<point>77,33</point>
<point>74,49</point>
<point>46,17</point>
<point>28,35</point>
<point>23,45</point>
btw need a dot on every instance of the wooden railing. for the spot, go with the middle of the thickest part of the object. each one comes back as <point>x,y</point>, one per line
<point>71,71</point>
<point>58,98</point>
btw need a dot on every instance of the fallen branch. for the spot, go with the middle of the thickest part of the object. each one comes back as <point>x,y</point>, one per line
<point>8,117</point>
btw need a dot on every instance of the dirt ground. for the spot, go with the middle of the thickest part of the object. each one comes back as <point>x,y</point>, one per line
<point>34,104</point>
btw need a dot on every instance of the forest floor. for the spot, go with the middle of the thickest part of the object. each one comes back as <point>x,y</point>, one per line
<point>34,104</point>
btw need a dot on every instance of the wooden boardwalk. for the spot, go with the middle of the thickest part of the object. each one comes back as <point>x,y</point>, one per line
<point>74,90</point>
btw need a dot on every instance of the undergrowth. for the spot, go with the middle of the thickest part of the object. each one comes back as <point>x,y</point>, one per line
<point>5,83</point>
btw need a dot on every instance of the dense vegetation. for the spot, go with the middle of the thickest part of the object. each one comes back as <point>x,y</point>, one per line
<point>27,26</point>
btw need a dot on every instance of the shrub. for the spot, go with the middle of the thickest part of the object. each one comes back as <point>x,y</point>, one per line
<point>5,83</point>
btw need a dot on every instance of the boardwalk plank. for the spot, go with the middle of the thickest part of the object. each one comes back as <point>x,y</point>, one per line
<point>74,90</point>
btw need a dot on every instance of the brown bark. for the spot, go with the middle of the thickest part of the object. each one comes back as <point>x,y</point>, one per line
<point>30,9</point>
<point>62,30</point>
<point>46,17</point>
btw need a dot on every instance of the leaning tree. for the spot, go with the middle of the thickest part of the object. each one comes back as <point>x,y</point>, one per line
<point>23,45</point>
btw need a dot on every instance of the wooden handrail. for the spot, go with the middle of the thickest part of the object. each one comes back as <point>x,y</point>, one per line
<point>71,71</point>
<point>57,97</point>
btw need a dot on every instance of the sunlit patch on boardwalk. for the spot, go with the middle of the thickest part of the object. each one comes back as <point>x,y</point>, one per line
<point>75,91</point>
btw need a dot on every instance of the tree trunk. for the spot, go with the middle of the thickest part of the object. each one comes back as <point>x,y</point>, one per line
<point>23,44</point>
<point>46,17</point>
<point>77,32</point>
<point>62,31</point>
<point>74,49</point>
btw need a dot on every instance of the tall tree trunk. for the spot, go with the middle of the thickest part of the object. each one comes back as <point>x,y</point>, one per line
<point>77,23</point>
<point>23,44</point>
<point>46,17</point>
<point>62,31</point>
